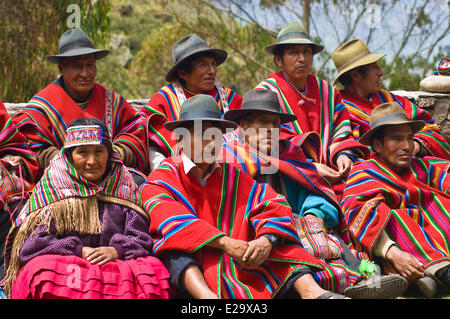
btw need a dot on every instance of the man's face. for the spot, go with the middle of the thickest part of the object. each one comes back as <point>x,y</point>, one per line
<point>296,62</point>
<point>261,131</point>
<point>201,142</point>
<point>397,148</point>
<point>202,76</point>
<point>79,74</point>
<point>371,81</point>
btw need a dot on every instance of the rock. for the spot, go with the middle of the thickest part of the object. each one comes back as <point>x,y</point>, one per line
<point>436,84</point>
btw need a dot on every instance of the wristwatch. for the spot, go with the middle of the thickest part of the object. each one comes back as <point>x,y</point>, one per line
<point>272,238</point>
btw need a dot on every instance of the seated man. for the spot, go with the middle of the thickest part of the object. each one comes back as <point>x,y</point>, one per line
<point>396,205</point>
<point>283,166</point>
<point>316,104</point>
<point>194,72</point>
<point>75,94</point>
<point>219,231</point>
<point>361,77</point>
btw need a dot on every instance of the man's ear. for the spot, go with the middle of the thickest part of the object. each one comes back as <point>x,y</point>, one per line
<point>278,61</point>
<point>376,145</point>
<point>60,68</point>
<point>355,75</point>
<point>181,73</point>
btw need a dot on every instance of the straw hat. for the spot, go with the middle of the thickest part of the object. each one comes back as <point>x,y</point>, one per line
<point>75,42</point>
<point>385,114</point>
<point>188,46</point>
<point>263,101</point>
<point>200,107</point>
<point>294,33</point>
<point>351,55</point>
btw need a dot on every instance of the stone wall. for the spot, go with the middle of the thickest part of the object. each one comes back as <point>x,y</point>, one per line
<point>435,103</point>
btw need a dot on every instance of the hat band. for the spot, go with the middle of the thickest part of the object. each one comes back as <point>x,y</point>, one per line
<point>356,58</point>
<point>199,115</point>
<point>292,35</point>
<point>259,104</point>
<point>389,118</point>
<point>191,50</point>
<point>76,45</point>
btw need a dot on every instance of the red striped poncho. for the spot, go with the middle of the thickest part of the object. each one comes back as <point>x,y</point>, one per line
<point>166,103</point>
<point>360,108</point>
<point>412,208</point>
<point>14,142</point>
<point>186,216</point>
<point>47,115</point>
<point>319,110</point>
<point>291,162</point>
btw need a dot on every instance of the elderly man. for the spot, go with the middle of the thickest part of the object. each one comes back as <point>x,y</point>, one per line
<point>362,79</point>
<point>283,166</point>
<point>219,231</point>
<point>396,205</point>
<point>75,94</point>
<point>194,72</point>
<point>315,102</point>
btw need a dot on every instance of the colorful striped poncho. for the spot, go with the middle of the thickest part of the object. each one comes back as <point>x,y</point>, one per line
<point>47,115</point>
<point>291,162</point>
<point>411,208</point>
<point>166,103</point>
<point>14,142</point>
<point>337,275</point>
<point>319,110</point>
<point>360,108</point>
<point>186,216</point>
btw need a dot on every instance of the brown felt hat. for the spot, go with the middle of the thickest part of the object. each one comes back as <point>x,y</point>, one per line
<point>388,114</point>
<point>351,55</point>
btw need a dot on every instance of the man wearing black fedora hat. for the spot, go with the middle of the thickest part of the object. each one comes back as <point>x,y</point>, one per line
<point>361,77</point>
<point>215,228</point>
<point>314,101</point>
<point>396,205</point>
<point>194,71</point>
<point>314,204</point>
<point>75,94</point>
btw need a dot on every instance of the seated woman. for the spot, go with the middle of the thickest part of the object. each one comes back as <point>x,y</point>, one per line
<point>83,233</point>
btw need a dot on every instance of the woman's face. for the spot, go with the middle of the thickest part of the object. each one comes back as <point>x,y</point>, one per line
<point>91,161</point>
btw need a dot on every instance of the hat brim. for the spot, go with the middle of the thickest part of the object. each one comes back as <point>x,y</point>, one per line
<point>315,47</point>
<point>237,114</point>
<point>220,56</point>
<point>368,59</point>
<point>99,54</point>
<point>222,124</point>
<point>366,138</point>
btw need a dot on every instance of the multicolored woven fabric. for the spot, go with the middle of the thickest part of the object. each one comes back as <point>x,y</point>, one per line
<point>44,120</point>
<point>14,142</point>
<point>186,216</point>
<point>337,275</point>
<point>166,102</point>
<point>412,208</point>
<point>165,106</point>
<point>319,110</point>
<point>360,108</point>
<point>84,135</point>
